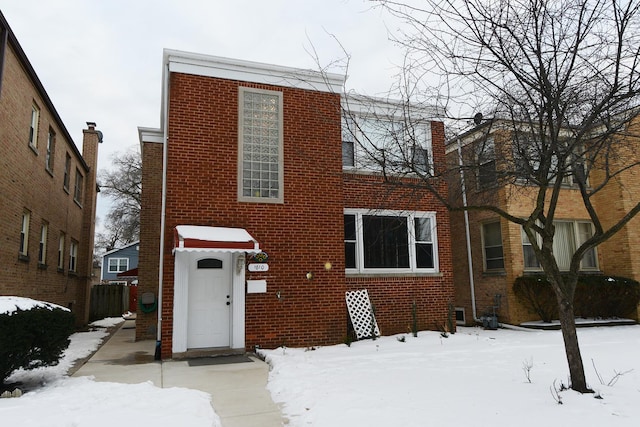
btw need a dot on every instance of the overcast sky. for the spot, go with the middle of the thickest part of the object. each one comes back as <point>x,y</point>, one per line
<point>101,60</point>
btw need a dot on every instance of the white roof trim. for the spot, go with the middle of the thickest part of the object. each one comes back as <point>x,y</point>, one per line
<point>255,72</point>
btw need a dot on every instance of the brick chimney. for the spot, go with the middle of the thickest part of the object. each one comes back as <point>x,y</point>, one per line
<point>90,141</point>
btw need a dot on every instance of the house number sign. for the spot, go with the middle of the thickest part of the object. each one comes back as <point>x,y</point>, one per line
<point>258,267</point>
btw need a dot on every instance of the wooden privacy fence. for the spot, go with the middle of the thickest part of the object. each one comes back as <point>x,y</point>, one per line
<point>108,301</point>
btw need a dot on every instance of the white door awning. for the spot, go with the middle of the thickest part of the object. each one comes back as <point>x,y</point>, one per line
<point>196,238</point>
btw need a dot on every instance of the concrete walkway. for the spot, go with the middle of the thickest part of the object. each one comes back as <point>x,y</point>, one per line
<point>238,390</point>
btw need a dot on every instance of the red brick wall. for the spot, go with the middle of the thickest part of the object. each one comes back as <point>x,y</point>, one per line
<point>393,295</point>
<point>302,234</point>
<point>26,184</point>
<point>149,254</point>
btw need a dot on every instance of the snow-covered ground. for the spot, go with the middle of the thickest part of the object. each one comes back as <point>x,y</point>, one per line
<point>56,400</point>
<point>474,377</point>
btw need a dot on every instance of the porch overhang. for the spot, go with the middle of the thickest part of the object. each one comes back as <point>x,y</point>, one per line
<point>196,238</point>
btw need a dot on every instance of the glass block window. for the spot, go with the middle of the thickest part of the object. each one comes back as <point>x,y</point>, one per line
<point>261,168</point>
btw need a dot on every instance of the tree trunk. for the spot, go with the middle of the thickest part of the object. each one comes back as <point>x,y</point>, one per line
<point>570,336</point>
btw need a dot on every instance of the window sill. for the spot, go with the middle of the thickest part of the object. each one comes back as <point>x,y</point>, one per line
<point>49,171</point>
<point>77,203</point>
<point>42,266</point>
<point>23,258</point>
<point>367,274</point>
<point>34,149</point>
<point>61,270</point>
<point>73,273</point>
<point>494,273</point>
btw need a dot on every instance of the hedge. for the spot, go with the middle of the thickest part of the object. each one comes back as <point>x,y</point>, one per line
<point>33,338</point>
<point>597,296</point>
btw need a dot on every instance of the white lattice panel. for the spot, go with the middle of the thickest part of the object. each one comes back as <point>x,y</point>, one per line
<point>361,313</point>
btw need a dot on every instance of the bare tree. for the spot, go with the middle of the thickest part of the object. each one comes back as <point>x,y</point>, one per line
<point>560,82</point>
<point>123,185</point>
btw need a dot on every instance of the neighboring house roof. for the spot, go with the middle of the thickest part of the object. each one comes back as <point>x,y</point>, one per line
<point>7,36</point>
<point>112,251</point>
<point>129,273</point>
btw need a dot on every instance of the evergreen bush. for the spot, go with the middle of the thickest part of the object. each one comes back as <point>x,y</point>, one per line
<point>33,338</point>
<point>597,296</point>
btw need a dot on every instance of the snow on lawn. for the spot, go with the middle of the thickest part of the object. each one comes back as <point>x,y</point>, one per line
<point>474,377</point>
<point>55,400</point>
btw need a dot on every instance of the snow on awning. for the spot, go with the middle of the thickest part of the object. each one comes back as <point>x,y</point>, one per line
<point>218,239</point>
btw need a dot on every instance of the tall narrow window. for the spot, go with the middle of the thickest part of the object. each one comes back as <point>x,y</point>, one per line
<point>67,172</point>
<point>424,242</point>
<point>348,142</point>
<point>492,242</point>
<point>73,256</point>
<point>585,231</point>
<point>51,143</point>
<point>33,128</point>
<point>78,191</point>
<point>24,233</point>
<point>350,241</point>
<point>42,247</point>
<point>61,251</point>
<point>486,158</point>
<point>530,260</point>
<point>260,155</point>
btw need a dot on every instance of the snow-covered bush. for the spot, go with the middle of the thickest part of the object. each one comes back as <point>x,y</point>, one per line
<point>32,334</point>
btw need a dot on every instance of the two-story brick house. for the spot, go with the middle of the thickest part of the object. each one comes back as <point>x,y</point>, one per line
<point>497,251</point>
<point>252,229</point>
<point>47,190</point>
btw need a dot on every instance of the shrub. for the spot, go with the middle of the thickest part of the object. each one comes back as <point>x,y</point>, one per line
<point>33,338</point>
<point>596,296</point>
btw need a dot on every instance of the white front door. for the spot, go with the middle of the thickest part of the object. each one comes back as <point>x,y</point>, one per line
<point>209,302</point>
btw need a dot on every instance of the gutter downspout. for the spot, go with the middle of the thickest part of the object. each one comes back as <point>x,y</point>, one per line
<point>165,138</point>
<point>467,235</point>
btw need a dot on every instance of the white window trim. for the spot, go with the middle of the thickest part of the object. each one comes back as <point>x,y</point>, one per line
<point>410,215</point>
<point>61,245</point>
<point>78,189</point>
<point>117,265</point>
<point>24,233</point>
<point>42,247</point>
<point>51,143</point>
<point>33,126</point>
<point>241,197</point>
<point>73,256</point>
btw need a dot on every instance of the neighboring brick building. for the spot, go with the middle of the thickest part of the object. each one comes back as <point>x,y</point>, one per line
<point>498,248</point>
<point>253,164</point>
<point>47,190</point>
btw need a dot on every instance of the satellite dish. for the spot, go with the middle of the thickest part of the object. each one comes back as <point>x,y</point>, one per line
<point>99,136</point>
<point>477,119</point>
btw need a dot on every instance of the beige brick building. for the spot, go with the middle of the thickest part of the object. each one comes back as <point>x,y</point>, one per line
<point>497,250</point>
<point>47,190</point>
